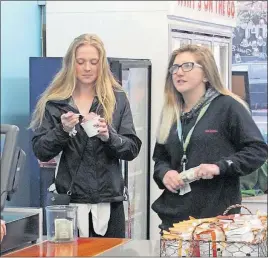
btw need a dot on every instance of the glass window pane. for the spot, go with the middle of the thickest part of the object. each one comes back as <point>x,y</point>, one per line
<point>220,51</point>
<point>179,42</point>
<point>201,42</point>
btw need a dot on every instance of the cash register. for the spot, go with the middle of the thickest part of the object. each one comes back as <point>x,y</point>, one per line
<point>22,224</point>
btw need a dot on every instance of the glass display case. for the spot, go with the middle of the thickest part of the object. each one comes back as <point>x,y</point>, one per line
<point>135,83</point>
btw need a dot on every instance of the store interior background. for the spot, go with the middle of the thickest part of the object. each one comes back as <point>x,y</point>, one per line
<point>23,27</point>
<point>250,52</point>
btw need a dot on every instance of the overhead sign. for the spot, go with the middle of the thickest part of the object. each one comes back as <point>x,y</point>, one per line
<point>218,12</point>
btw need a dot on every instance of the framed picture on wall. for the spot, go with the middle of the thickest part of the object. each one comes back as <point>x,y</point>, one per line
<point>240,85</point>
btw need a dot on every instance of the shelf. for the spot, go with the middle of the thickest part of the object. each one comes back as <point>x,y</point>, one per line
<point>255,199</point>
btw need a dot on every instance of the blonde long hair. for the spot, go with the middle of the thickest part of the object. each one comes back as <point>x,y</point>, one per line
<point>64,82</point>
<point>173,99</point>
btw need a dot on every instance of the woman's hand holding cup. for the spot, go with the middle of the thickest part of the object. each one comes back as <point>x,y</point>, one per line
<point>94,125</point>
<point>103,133</point>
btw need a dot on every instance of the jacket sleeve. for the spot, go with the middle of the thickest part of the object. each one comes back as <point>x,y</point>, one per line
<point>124,144</point>
<point>49,139</point>
<point>251,150</point>
<point>162,164</point>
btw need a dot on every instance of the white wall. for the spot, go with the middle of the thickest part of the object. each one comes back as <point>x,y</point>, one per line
<point>141,31</point>
<point>104,6</point>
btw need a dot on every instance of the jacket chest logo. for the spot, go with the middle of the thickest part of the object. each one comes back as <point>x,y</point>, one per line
<point>211,131</point>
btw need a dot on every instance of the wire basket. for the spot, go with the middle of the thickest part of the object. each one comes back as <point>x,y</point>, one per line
<point>200,248</point>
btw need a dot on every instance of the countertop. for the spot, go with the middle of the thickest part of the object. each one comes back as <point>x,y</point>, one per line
<point>104,247</point>
<point>81,247</point>
<point>135,248</point>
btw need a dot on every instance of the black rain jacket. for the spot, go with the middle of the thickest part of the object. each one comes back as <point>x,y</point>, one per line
<point>226,136</point>
<point>93,164</point>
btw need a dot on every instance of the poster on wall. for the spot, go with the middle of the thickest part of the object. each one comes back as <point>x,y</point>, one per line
<point>250,35</point>
<point>249,53</point>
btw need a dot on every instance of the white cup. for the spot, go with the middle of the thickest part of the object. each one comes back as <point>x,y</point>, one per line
<point>89,126</point>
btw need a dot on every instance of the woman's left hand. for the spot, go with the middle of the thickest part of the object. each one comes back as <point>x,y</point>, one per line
<point>103,133</point>
<point>207,171</point>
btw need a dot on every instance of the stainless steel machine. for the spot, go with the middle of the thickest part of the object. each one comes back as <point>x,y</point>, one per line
<point>23,224</point>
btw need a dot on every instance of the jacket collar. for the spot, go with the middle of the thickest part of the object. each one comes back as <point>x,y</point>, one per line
<point>69,105</point>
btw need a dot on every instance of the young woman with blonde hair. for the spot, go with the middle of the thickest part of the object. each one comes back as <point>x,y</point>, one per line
<point>208,133</point>
<point>88,167</point>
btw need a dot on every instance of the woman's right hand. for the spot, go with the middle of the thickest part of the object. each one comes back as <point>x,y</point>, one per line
<point>3,229</point>
<point>69,120</point>
<point>172,181</point>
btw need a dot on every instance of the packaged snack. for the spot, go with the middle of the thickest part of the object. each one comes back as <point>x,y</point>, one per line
<point>201,246</point>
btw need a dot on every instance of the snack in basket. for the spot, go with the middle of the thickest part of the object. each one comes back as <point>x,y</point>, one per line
<point>214,235</point>
<point>194,221</point>
<point>229,235</point>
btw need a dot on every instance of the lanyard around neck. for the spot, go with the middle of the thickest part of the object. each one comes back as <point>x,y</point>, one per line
<point>187,140</point>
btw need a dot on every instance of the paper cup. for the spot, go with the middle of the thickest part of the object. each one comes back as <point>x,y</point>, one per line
<point>89,127</point>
